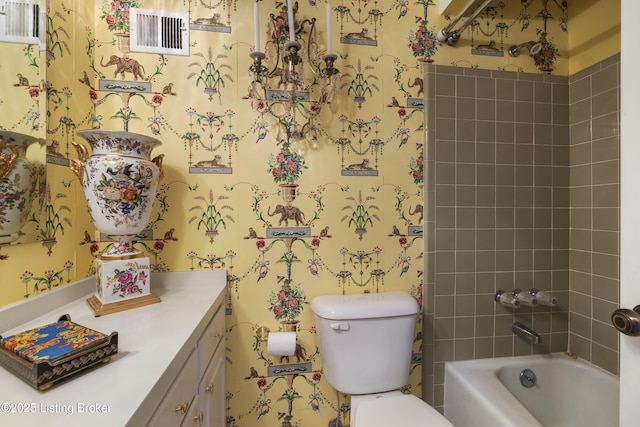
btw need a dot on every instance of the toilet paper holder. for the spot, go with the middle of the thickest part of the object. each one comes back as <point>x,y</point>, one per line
<point>263,333</point>
<point>627,321</point>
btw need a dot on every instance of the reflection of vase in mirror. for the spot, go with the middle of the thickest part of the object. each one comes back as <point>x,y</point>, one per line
<point>20,180</point>
<point>23,96</point>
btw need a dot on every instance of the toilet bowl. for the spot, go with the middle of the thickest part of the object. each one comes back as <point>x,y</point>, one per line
<point>394,409</point>
<point>365,343</point>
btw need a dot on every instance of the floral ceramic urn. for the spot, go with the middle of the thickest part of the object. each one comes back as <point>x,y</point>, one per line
<point>120,181</point>
<point>19,179</point>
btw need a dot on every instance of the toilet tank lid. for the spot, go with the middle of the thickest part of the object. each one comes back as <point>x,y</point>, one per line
<point>364,306</point>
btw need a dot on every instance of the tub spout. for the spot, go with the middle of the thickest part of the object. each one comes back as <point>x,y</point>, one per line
<point>521,330</point>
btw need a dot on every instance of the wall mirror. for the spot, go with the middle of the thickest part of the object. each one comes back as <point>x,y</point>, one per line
<point>23,105</point>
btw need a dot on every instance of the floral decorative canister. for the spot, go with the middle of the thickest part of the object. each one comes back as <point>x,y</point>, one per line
<point>19,179</point>
<point>120,181</point>
<point>122,280</point>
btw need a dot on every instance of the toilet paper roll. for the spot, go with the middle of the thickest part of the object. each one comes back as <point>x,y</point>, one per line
<point>281,343</point>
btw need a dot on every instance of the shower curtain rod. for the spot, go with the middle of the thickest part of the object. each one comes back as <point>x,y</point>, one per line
<point>452,36</point>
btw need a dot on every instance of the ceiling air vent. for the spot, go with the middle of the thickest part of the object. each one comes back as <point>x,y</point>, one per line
<point>22,21</point>
<point>159,31</point>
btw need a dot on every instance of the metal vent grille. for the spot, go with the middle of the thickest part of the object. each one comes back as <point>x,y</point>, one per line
<point>22,21</point>
<point>158,31</point>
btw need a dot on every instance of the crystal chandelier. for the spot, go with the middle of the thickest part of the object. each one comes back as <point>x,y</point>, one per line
<point>290,80</point>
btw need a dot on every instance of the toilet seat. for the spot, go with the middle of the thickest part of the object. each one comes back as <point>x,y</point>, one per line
<point>403,410</point>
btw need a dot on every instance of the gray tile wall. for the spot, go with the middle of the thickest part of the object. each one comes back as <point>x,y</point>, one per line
<point>594,106</point>
<point>521,192</point>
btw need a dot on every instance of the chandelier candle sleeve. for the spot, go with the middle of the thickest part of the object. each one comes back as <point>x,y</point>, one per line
<point>292,23</point>
<point>329,46</point>
<point>256,26</point>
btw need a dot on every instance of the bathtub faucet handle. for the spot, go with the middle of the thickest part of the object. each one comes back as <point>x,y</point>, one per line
<point>525,298</point>
<point>509,300</point>
<point>544,298</point>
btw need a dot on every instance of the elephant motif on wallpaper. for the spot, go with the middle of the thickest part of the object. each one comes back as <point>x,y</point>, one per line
<point>287,213</point>
<point>124,65</point>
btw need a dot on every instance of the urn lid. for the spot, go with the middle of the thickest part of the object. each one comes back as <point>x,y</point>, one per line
<point>119,142</point>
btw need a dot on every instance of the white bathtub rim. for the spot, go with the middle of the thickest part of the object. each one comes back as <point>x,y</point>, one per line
<point>489,397</point>
<point>517,359</point>
<point>482,404</point>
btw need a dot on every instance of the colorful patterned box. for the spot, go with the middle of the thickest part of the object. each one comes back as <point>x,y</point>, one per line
<point>44,355</point>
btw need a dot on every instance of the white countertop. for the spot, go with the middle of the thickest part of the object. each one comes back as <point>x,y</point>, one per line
<point>120,392</point>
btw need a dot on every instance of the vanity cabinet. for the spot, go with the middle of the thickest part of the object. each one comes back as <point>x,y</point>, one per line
<point>169,369</point>
<point>196,396</point>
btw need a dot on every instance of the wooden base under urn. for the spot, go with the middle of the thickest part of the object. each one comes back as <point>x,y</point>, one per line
<point>120,183</point>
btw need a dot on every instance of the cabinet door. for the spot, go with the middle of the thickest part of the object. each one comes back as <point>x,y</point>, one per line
<point>211,338</point>
<point>211,391</point>
<point>180,397</point>
<point>195,416</point>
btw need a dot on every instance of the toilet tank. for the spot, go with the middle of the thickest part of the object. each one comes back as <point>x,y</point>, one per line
<point>365,340</point>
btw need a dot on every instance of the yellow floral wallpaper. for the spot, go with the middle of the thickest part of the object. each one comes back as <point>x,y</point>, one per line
<point>289,211</point>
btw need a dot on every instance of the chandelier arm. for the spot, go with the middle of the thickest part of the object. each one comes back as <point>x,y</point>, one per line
<point>270,110</point>
<point>278,56</point>
<point>310,42</point>
<point>304,128</point>
<point>264,90</point>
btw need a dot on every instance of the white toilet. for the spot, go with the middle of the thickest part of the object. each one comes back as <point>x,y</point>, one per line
<point>365,343</point>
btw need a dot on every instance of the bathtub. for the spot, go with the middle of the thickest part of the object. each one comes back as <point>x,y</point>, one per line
<point>568,392</point>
